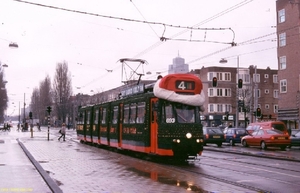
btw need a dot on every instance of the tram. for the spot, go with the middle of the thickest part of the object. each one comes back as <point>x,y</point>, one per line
<point>160,119</point>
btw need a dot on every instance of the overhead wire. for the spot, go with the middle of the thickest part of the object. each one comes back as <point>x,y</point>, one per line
<point>195,27</point>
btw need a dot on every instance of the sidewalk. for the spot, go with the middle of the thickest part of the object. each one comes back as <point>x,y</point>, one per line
<point>17,172</point>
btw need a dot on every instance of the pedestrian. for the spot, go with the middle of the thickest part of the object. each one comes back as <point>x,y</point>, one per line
<point>38,126</point>
<point>63,132</point>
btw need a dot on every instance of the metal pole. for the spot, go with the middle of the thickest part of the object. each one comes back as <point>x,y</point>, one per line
<point>24,120</point>
<point>19,117</point>
<point>255,93</point>
<point>31,128</point>
<point>237,94</point>
<point>48,126</point>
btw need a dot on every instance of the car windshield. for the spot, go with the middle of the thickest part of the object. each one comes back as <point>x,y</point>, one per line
<point>279,127</point>
<point>298,134</point>
<point>271,131</point>
<point>240,131</point>
<point>215,131</point>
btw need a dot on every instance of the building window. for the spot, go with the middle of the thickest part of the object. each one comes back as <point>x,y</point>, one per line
<point>258,93</point>
<point>275,78</point>
<point>256,78</point>
<point>227,76</point>
<point>282,62</point>
<point>266,76</point>
<point>267,106</point>
<point>282,39</point>
<point>224,76</point>
<point>275,108</point>
<point>219,76</point>
<point>220,107</point>
<point>281,16</point>
<point>219,92</point>
<point>267,91</point>
<point>211,107</point>
<point>275,94</point>
<point>227,92</point>
<point>283,86</point>
<point>227,108</point>
<point>210,76</point>
<point>245,77</point>
<point>210,92</point>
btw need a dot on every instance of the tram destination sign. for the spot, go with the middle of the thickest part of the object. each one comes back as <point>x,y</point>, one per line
<point>133,90</point>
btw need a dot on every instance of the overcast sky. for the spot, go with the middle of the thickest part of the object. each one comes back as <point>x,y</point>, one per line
<point>92,35</point>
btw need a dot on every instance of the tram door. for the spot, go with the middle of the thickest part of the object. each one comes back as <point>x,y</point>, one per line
<point>153,125</point>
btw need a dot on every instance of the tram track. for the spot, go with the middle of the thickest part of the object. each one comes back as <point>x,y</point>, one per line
<point>253,163</point>
<point>246,168</point>
<point>216,178</point>
<point>279,173</point>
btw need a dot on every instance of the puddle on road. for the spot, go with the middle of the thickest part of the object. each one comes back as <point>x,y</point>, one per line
<point>158,177</point>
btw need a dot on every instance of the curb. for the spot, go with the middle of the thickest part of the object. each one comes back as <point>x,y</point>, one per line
<point>49,181</point>
<point>261,154</point>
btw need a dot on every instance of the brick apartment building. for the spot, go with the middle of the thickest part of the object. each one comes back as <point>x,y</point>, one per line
<point>226,100</point>
<point>288,53</point>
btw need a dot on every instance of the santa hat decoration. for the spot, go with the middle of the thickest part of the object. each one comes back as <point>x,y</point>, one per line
<point>182,88</point>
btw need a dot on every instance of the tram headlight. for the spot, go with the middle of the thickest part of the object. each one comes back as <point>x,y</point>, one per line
<point>188,135</point>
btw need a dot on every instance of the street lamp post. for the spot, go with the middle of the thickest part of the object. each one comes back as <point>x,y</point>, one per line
<point>24,120</point>
<point>223,61</point>
<point>255,92</point>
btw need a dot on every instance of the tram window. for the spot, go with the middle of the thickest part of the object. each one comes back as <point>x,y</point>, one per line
<point>126,113</point>
<point>141,112</point>
<point>80,118</point>
<point>96,116</point>
<point>115,115</point>
<point>132,113</point>
<point>185,113</point>
<point>103,116</point>
<point>168,113</point>
<point>88,117</point>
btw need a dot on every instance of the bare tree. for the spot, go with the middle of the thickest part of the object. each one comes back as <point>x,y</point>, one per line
<point>35,103</point>
<point>45,98</point>
<point>62,91</point>
<point>3,96</point>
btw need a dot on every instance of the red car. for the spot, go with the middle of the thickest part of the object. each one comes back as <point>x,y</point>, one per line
<point>267,137</point>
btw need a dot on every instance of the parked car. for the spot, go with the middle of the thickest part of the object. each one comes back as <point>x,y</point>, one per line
<point>295,139</point>
<point>234,135</point>
<point>267,137</point>
<point>213,135</point>
<point>279,125</point>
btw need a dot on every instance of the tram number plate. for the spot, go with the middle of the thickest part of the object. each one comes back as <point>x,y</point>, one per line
<point>216,136</point>
<point>281,137</point>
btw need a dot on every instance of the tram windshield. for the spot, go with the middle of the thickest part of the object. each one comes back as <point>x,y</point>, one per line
<point>179,113</point>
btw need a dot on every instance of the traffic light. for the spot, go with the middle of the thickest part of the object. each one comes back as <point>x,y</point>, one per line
<point>258,112</point>
<point>30,115</point>
<point>49,109</point>
<point>240,83</point>
<point>214,81</point>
